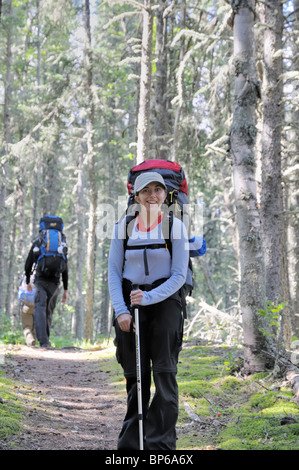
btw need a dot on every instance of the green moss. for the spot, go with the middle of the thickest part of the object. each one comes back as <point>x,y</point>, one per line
<point>195,363</point>
<point>281,408</point>
<point>193,441</point>
<point>235,413</point>
<point>259,433</point>
<point>231,384</point>
<point>8,427</point>
<point>196,388</point>
<point>260,400</point>
<point>11,410</point>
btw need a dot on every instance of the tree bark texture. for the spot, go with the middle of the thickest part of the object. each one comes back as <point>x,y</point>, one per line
<point>273,219</point>
<point>271,195</point>
<point>92,219</point>
<point>143,124</point>
<point>176,124</point>
<point>243,134</point>
<point>293,228</point>
<point>78,323</point>
<point>3,175</point>
<point>161,117</point>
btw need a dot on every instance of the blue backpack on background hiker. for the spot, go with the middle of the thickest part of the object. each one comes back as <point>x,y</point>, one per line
<point>177,198</point>
<point>50,249</point>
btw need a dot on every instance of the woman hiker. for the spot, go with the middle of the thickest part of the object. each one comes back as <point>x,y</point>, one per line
<point>145,260</point>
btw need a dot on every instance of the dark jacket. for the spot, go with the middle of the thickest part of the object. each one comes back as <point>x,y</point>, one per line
<point>31,260</point>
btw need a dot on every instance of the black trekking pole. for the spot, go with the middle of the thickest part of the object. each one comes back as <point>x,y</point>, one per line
<point>138,373</point>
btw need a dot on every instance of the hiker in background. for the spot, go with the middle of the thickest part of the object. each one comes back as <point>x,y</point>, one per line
<point>28,324</point>
<point>48,254</point>
<point>146,260</point>
<point>27,308</point>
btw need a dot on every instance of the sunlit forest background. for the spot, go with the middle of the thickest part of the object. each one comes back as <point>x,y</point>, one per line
<point>70,94</point>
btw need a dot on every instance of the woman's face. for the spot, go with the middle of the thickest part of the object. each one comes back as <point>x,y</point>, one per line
<point>151,197</point>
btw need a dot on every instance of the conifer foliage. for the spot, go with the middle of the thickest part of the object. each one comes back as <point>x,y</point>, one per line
<point>88,89</point>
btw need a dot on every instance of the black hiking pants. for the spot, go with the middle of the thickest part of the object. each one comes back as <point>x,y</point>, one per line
<point>44,304</point>
<point>160,339</point>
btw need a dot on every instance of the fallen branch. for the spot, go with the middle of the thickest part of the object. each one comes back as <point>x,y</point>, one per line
<point>215,311</point>
<point>191,413</point>
<point>192,323</point>
<point>206,399</point>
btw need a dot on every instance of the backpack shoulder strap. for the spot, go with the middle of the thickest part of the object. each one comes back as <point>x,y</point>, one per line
<point>167,223</point>
<point>128,228</point>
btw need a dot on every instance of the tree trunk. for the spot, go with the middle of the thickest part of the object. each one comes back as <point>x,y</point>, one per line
<point>78,322</point>
<point>293,226</point>
<point>4,175</point>
<point>11,260</point>
<point>175,145</point>
<point>161,117</point>
<point>104,314</point>
<point>143,124</point>
<point>243,133</point>
<point>50,174</point>
<point>90,265</point>
<point>16,257</point>
<point>274,229</point>
<point>271,196</point>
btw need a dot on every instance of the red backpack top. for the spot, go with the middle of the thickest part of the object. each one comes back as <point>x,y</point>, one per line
<point>173,175</point>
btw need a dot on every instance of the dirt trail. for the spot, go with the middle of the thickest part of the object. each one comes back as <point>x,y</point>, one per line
<point>71,405</point>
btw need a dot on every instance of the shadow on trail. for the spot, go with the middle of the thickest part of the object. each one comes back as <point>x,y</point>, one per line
<point>70,403</point>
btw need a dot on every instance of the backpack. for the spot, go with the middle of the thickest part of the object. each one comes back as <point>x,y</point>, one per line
<point>177,201</point>
<point>51,249</point>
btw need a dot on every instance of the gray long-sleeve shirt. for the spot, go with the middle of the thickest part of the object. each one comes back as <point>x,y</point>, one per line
<point>131,266</point>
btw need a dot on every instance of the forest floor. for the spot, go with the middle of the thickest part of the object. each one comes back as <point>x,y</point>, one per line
<point>70,403</point>
<point>74,399</point>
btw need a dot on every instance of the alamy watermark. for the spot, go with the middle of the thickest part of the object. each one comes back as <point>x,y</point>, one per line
<point>109,214</point>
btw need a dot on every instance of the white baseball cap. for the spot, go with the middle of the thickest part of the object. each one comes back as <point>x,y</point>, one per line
<point>146,178</point>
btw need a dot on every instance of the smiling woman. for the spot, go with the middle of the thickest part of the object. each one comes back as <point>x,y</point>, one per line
<point>146,260</point>
<point>150,198</point>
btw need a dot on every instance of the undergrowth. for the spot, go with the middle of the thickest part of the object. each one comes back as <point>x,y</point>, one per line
<point>11,409</point>
<point>218,407</point>
<point>221,409</point>
<point>224,410</point>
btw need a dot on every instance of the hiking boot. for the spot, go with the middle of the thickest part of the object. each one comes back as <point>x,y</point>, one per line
<point>46,346</point>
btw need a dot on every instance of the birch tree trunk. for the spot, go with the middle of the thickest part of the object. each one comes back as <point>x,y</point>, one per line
<point>175,145</point>
<point>161,117</point>
<point>90,264</point>
<point>11,260</point>
<point>143,124</point>
<point>37,166</point>
<point>3,176</point>
<point>16,257</point>
<point>243,134</point>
